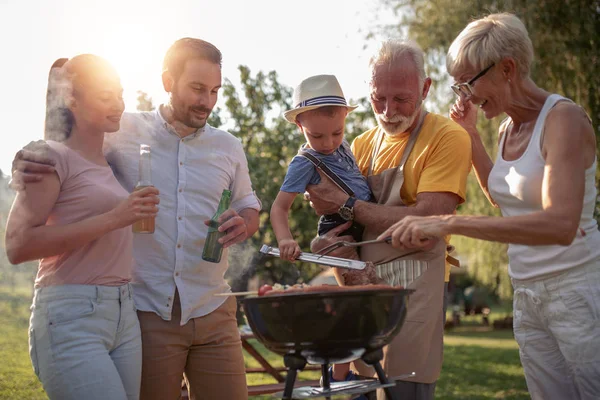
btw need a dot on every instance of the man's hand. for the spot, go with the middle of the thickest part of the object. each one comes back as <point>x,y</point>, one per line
<point>31,164</point>
<point>331,237</point>
<point>326,197</point>
<point>234,227</point>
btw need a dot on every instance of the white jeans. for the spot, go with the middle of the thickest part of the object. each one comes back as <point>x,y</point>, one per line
<point>85,342</point>
<point>557,327</point>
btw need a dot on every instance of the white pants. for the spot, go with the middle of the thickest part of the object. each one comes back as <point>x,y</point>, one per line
<point>557,327</point>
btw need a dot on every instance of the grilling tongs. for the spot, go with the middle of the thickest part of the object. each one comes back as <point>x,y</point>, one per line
<point>321,258</point>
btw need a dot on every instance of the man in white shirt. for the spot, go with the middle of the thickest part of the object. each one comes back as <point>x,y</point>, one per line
<point>185,328</point>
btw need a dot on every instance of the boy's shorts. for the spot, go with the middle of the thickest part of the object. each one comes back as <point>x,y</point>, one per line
<point>328,222</point>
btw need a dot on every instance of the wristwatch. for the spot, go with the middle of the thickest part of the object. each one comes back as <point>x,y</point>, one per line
<point>347,210</point>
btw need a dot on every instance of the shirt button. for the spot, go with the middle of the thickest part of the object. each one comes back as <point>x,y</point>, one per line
<point>179,218</point>
<point>180,162</point>
<point>180,190</point>
<point>176,273</point>
<point>178,246</point>
<point>339,160</point>
<point>348,168</point>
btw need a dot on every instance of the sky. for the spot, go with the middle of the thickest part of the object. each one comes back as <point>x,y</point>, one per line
<point>295,38</point>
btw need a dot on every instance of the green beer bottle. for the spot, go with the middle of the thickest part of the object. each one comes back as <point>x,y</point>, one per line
<point>212,248</point>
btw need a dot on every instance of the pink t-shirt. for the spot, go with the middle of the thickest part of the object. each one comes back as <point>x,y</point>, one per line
<point>86,190</point>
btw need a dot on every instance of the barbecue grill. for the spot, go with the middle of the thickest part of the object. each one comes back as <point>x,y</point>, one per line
<point>325,327</point>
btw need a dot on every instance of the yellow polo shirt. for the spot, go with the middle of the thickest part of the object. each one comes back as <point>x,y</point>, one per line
<point>439,162</point>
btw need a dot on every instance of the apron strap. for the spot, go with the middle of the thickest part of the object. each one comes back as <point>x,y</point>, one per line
<point>399,179</point>
<point>411,141</point>
<point>332,175</point>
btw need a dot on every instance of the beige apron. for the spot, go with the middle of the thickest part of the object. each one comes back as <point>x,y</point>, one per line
<point>418,347</point>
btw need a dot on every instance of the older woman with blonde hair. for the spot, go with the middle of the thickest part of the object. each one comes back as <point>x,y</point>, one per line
<point>543,181</point>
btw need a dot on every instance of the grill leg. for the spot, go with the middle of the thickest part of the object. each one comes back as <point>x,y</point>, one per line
<point>294,363</point>
<point>373,358</point>
<point>384,380</point>
<point>325,374</point>
<point>290,379</point>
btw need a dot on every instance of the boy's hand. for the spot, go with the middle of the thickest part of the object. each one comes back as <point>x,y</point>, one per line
<point>289,249</point>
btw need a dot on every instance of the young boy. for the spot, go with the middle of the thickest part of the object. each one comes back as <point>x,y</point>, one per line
<point>320,114</point>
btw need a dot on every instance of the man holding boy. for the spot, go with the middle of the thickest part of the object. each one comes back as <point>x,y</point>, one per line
<point>416,163</point>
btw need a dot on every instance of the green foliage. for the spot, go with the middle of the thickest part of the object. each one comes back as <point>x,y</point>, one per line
<point>567,59</point>
<point>17,380</point>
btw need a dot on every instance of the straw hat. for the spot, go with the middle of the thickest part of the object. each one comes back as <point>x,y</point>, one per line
<point>314,92</point>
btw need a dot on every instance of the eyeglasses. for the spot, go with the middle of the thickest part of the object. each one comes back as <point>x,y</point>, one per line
<point>465,89</point>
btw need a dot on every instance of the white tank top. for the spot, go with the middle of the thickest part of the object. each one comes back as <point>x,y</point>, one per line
<point>516,186</point>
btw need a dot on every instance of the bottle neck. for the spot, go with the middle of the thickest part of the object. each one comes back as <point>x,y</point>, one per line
<point>225,202</point>
<point>145,170</point>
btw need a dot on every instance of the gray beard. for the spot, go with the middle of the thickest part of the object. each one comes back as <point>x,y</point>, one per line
<point>400,127</point>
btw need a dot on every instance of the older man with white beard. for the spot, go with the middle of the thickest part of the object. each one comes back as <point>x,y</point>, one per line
<point>416,163</point>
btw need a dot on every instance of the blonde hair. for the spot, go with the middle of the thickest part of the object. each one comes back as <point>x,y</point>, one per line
<point>394,50</point>
<point>488,40</point>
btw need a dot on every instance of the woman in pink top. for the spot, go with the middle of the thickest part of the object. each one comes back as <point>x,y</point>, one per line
<point>543,181</point>
<point>84,335</point>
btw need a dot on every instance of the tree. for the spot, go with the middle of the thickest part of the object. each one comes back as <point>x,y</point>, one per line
<point>144,101</point>
<point>565,40</point>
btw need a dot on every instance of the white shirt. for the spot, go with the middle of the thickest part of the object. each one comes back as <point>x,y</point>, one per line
<point>516,186</point>
<point>190,174</point>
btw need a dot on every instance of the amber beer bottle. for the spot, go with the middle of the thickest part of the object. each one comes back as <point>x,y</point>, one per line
<point>144,225</point>
<point>212,248</point>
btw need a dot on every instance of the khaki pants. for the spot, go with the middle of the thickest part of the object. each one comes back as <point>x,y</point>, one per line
<point>207,350</point>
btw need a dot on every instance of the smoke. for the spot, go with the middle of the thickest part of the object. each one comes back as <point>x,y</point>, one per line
<point>58,116</point>
<point>243,259</point>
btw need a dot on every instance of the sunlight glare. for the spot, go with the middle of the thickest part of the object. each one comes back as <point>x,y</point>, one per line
<point>137,54</point>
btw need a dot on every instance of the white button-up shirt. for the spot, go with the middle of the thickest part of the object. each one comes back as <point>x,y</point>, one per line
<point>190,174</point>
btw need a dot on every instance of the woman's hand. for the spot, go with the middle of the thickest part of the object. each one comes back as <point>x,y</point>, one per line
<point>464,113</point>
<point>289,249</point>
<point>139,205</point>
<point>417,232</point>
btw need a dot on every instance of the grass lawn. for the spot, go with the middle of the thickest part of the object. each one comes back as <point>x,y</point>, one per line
<point>478,363</point>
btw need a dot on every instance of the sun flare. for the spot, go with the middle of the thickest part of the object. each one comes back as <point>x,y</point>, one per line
<point>136,54</point>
